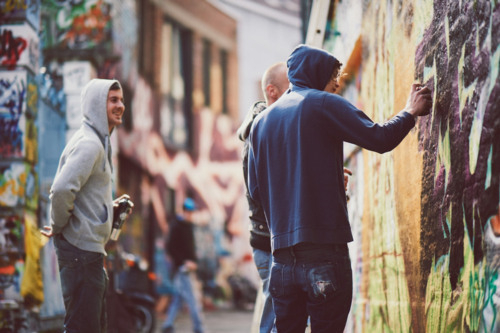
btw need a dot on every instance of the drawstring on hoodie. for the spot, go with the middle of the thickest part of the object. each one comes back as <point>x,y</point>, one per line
<point>107,149</point>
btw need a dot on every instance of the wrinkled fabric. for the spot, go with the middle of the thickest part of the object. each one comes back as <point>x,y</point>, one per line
<point>295,156</point>
<point>84,282</point>
<point>81,194</point>
<point>311,281</point>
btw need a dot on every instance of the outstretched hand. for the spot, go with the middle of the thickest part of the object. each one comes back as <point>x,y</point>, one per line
<point>420,101</point>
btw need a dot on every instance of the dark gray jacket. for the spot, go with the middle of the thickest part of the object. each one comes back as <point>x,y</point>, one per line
<point>259,232</point>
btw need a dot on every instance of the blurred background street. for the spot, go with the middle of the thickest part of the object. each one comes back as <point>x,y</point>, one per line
<point>216,321</point>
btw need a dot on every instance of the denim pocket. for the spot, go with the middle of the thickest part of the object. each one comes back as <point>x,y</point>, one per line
<point>322,281</point>
<point>262,260</point>
<point>276,283</point>
<point>67,254</point>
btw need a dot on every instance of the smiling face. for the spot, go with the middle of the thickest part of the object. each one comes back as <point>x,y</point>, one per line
<point>115,108</point>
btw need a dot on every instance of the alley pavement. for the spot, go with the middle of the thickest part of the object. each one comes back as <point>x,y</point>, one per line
<point>215,321</point>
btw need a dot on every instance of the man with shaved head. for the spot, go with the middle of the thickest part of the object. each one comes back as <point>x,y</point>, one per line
<point>274,84</point>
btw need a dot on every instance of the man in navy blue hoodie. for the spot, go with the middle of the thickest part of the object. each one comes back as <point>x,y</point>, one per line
<point>296,172</point>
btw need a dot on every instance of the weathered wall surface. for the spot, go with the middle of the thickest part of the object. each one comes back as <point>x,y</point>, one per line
<point>426,255</point>
<point>459,58</point>
<point>19,54</point>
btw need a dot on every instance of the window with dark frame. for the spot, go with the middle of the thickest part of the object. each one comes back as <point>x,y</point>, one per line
<point>176,85</point>
<point>207,62</point>
<point>223,65</point>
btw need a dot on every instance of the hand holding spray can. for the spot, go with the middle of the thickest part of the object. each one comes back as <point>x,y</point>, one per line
<point>121,209</point>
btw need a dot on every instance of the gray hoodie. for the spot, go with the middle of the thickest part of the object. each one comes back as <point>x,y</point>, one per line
<point>81,195</point>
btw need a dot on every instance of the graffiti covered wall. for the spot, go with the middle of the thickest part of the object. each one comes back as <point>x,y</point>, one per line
<point>19,56</point>
<point>213,177</point>
<point>428,258</point>
<point>459,58</point>
<point>166,154</point>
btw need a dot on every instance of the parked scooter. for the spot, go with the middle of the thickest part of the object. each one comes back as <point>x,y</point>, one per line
<point>130,303</point>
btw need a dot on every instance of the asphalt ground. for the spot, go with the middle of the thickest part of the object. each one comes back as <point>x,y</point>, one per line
<point>215,321</point>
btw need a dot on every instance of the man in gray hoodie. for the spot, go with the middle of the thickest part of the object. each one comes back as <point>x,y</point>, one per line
<point>82,207</point>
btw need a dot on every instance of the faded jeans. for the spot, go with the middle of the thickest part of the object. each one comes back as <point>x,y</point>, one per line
<point>83,282</point>
<point>263,261</point>
<point>183,292</point>
<point>311,280</point>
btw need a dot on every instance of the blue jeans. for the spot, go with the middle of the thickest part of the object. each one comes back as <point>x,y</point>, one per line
<point>311,280</point>
<point>183,292</point>
<point>83,282</point>
<point>263,261</point>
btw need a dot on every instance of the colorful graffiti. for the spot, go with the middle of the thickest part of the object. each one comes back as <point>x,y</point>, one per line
<point>80,24</point>
<point>12,104</point>
<point>18,108</point>
<point>459,59</point>
<point>382,300</point>
<point>52,139</point>
<point>20,10</point>
<point>50,88</point>
<point>11,48</point>
<point>17,185</point>
<point>18,47</point>
<point>441,274</point>
<point>11,249</point>
<point>11,239</point>
<point>214,176</point>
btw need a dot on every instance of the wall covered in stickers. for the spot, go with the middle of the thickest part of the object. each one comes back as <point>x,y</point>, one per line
<point>427,253</point>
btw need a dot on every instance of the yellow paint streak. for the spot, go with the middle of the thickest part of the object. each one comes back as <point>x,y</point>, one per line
<point>464,93</point>
<point>444,155</point>
<point>423,13</point>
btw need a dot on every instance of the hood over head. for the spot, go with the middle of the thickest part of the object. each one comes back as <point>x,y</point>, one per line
<point>94,105</point>
<point>310,67</point>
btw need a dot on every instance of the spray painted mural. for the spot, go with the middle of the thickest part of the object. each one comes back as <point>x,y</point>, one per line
<point>79,24</point>
<point>18,107</point>
<point>20,10</point>
<point>431,213</point>
<point>459,59</point>
<point>214,177</point>
<point>19,56</point>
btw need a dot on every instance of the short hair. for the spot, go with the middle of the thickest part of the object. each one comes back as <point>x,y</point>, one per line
<point>337,65</point>
<point>272,76</point>
<point>115,86</point>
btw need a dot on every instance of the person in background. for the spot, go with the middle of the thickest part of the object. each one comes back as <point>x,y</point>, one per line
<point>274,84</point>
<point>82,208</point>
<point>181,248</point>
<point>295,172</point>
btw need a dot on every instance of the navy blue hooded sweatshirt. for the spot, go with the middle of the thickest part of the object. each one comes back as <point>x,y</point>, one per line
<point>296,153</point>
